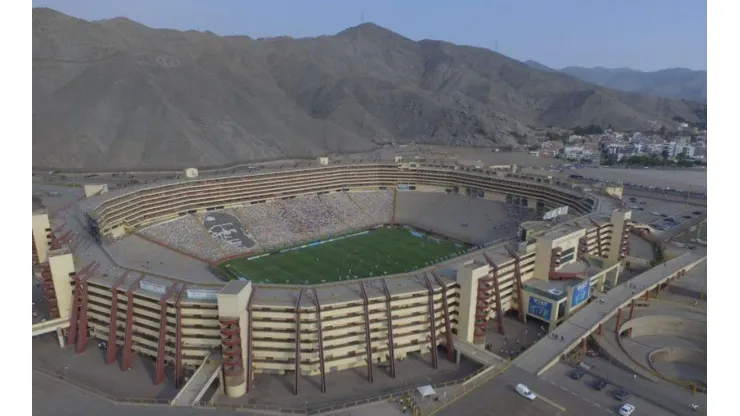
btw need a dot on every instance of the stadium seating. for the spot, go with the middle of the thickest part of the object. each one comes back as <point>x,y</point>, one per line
<point>280,223</point>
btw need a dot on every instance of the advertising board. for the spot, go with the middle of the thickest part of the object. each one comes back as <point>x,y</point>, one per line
<point>201,294</point>
<point>539,308</point>
<point>152,287</point>
<point>581,292</point>
<point>557,212</point>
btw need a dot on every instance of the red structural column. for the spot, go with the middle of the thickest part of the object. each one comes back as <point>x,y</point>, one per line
<point>82,336</point>
<point>518,284</point>
<point>178,337</point>
<point>368,345</point>
<point>113,322</point>
<point>601,328</point>
<point>619,315</point>
<point>389,317</point>
<point>129,335</point>
<point>432,323</point>
<point>632,311</point>
<point>162,346</point>
<point>317,305</point>
<point>74,315</point>
<point>446,313</point>
<point>77,299</point>
<point>583,346</point>
<point>250,352</point>
<point>497,294</point>
<point>297,342</point>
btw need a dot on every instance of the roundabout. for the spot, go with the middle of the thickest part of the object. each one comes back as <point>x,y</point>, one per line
<point>663,340</point>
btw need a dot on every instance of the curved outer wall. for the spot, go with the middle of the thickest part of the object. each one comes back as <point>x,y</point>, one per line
<point>192,329</point>
<point>118,215</point>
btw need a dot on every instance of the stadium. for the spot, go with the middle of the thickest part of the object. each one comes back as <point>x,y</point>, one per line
<point>320,268</point>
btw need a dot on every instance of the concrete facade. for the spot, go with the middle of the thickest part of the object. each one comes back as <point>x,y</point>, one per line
<point>120,212</point>
<point>313,330</point>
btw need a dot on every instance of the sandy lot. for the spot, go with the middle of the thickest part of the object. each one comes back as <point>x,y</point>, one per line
<point>692,180</point>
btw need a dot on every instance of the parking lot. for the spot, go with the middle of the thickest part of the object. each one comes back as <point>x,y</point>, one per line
<point>560,376</point>
<point>660,214</point>
<point>498,397</point>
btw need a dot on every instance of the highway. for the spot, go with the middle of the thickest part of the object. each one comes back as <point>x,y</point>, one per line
<point>498,398</point>
<point>547,351</point>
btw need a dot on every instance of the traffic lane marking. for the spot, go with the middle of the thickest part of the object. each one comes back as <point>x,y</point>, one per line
<point>548,401</point>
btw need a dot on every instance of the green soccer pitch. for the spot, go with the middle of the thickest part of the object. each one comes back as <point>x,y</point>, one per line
<point>381,251</point>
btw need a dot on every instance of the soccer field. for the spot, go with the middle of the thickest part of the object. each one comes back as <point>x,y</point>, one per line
<point>379,252</point>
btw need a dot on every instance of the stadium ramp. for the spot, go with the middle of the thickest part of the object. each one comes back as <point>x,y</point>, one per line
<point>52,325</point>
<point>203,377</point>
<point>476,353</point>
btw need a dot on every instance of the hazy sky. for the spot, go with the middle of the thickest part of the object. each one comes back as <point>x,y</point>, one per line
<point>640,34</point>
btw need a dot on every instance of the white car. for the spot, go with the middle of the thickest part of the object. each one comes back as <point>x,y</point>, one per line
<point>626,409</point>
<point>525,392</point>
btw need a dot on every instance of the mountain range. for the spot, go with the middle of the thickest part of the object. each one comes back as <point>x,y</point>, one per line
<point>680,83</point>
<point>115,94</point>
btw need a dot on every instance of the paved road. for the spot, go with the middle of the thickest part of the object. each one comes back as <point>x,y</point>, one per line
<point>56,398</point>
<point>662,394</point>
<point>580,325</point>
<point>559,376</point>
<point>498,398</point>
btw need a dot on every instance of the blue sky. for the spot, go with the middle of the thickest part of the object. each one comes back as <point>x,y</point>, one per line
<point>640,34</point>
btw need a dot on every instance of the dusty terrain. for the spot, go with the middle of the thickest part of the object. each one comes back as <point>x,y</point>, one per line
<point>117,94</point>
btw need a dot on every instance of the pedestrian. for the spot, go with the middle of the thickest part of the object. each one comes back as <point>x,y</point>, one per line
<point>634,376</point>
<point>562,338</point>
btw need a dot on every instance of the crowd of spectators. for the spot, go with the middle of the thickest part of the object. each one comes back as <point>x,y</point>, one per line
<point>311,217</point>
<point>280,223</point>
<point>187,234</point>
<point>515,215</point>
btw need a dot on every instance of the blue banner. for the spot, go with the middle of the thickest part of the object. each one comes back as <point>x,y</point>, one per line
<point>581,293</point>
<point>540,308</point>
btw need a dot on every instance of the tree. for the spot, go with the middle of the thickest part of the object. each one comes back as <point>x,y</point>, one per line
<point>662,131</point>
<point>664,154</point>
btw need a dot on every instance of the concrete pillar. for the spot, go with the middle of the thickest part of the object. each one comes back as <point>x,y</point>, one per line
<point>60,337</point>
<point>614,277</point>
<point>619,316</point>
<point>601,328</point>
<point>61,263</point>
<point>468,277</point>
<point>40,224</point>
<point>583,345</point>
<point>232,303</point>
<point>647,295</point>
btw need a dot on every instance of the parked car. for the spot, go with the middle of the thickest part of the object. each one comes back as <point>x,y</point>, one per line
<point>600,384</point>
<point>525,392</point>
<point>577,374</point>
<point>621,394</point>
<point>626,409</point>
